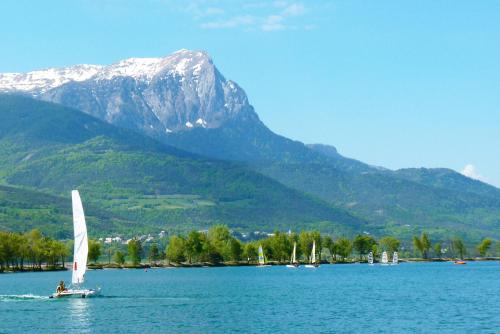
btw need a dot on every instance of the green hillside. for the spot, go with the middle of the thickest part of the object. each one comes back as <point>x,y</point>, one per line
<point>133,183</point>
<point>404,202</point>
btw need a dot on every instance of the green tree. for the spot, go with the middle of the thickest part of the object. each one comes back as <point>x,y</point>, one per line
<point>458,248</point>
<point>363,244</point>
<point>389,244</point>
<point>210,253</point>
<point>422,244</point>
<point>154,253</point>
<point>344,247</point>
<point>305,242</point>
<point>484,246</point>
<point>176,249</point>
<point>236,249</point>
<point>426,244</point>
<point>280,246</point>
<point>94,251</point>
<point>328,243</point>
<point>250,252</point>
<point>438,249</point>
<point>119,257</point>
<point>134,248</point>
<point>219,237</point>
<point>194,245</point>
<point>35,249</point>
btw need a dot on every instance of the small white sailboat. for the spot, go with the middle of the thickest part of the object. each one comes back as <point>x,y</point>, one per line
<point>293,260</point>
<point>262,260</point>
<point>395,259</point>
<point>80,253</point>
<point>313,263</point>
<point>370,258</point>
<point>385,260</point>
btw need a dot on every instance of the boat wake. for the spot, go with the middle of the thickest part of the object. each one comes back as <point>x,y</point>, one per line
<point>26,297</point>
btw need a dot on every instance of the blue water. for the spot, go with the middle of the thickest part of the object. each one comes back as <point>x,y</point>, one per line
<point>409,298</point>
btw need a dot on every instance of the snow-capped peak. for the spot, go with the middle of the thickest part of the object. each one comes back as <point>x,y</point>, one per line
<point>182,63</point>
<point>48,78</point>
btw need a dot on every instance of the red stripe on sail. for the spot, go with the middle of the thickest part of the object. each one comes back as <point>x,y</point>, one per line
<point>75,266</point>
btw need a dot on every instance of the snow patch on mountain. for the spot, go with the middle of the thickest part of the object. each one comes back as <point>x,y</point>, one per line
<point>44,80</point>
<point>181,63</point>
<point>154,96</point>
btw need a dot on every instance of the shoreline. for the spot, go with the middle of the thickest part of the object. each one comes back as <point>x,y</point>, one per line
<point>227,264</point>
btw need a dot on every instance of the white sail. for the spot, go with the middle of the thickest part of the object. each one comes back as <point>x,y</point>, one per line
<point>384,258</point>
<point>370,258</point>
<point>313,253</point>
<point>395,258</point>
<point>261,256</point>
<point>81,248</point>
<point>294,260</point>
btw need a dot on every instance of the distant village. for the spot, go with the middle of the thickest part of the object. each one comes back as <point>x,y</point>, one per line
<point>149,238</point>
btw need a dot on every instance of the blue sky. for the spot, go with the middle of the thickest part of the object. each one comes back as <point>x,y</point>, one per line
<point>392,83</point>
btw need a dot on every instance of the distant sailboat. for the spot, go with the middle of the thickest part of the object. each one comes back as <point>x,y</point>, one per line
<point>80,253</point>
<point>370,258</point>
<point>395,258</point>
<point>293,260</point>
<point>313,263</point>
<point>262,261</point>
<point>385,260</point>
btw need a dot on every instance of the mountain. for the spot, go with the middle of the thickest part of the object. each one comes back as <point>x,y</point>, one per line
<point>134,183</point>
<point>182,100</point>
<point>155,96</point>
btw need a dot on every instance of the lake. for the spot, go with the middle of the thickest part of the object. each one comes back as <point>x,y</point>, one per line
<point>408,298</point>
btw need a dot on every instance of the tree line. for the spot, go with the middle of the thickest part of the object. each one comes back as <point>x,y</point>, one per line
<point>218,245</point>
<point>32,250</point>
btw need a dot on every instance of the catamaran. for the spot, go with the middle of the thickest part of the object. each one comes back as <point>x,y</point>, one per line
<point>385,260</point>
<point>80,252</point>
<point>313,263</point>
<point>293,260</point>
<point>370,258</point>
<point>262,260</point>
<point>395,258</point>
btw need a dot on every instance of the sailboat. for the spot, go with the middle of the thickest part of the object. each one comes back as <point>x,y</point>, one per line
<point>313,263</point>
<point>385,260</point>
<point>395,258</point>
<point>262,261</point>
<point>370,258</point>
<point>293,260</point>
<point>80,252</point>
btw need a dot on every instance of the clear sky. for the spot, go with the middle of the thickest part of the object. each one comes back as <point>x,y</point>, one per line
<point>391,83</point>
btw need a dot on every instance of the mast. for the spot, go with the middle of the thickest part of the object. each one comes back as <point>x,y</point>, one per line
<point>384,257</point>
<point>395,258</point>
<point>81,247</point>
<point>313,253</point>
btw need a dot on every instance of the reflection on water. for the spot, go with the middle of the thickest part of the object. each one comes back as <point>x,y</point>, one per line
<point>79,314</point>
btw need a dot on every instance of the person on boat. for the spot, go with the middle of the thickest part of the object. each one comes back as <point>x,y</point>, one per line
<point>60,287</point>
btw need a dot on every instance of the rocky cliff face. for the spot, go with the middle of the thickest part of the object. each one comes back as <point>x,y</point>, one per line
<point>155,96</point>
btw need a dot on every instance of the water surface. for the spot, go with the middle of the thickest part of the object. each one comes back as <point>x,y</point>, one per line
<point>408,298</point>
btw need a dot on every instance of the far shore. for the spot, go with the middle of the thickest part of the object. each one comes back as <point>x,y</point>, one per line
<point>107,266</point>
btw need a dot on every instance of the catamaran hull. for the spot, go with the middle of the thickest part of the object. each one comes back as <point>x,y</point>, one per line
<point>292,266</point>
<point>84,293</point>
<point>311,266</point>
